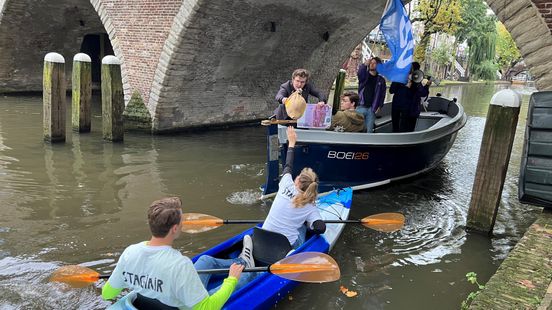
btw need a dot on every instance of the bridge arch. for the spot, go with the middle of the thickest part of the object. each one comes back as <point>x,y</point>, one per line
<point>223,61</point>
<point>203,62</point>
<point>530,23</point>
<point>30,29</point>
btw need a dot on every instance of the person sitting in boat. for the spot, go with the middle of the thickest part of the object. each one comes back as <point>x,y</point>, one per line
<point>299,81</point>
<point>406,101</point>
<point>295,202</point>
<point>347,119</point>
<point>244,259</point>
<point>161,276</point>
<point>371,90</point>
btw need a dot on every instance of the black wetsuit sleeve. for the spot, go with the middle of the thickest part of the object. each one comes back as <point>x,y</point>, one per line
<point>289,161</point>
<point>319,227</point>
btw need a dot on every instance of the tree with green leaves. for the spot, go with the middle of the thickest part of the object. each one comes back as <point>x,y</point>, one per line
<point>507,53</point>
<point>442,56</point>
<point>437,16</point>
<point>479,30</point>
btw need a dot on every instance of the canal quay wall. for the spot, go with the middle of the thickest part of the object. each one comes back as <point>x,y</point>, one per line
<point>524,279</point>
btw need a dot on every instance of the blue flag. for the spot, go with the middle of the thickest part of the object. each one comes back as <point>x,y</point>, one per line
<point>397,30</point>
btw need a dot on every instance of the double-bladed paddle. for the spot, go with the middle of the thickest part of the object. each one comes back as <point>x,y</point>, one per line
<point>194,223</point>
<point>313,267</point>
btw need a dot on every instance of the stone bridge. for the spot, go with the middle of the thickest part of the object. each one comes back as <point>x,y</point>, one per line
<point>191,63</point>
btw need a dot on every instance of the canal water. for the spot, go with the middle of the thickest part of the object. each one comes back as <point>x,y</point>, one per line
<point>84,201</point>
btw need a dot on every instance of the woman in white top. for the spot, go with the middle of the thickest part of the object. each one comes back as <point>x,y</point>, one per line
<point>295,201</point>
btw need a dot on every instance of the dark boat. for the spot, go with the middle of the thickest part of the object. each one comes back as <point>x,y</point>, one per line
<point>361,160</point>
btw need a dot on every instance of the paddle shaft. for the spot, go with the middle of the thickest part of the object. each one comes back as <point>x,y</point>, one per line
<point>260,221</point>
<point>253,269</point>
<point>211,271</point>
<point>343,221</point>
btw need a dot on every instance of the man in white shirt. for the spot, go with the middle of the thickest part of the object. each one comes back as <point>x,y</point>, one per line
<point>153,270</point>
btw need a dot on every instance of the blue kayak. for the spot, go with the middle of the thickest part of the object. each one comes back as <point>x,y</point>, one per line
<point>267,289</point>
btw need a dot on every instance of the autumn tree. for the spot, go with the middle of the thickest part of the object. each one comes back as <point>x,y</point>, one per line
<point>507,53</point>
<point>436,16</point>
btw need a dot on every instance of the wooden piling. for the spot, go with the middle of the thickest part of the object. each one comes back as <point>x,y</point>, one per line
<point>496,147</point>
<point>112,99</point>
<point>338,91</point>
<point>82,92</point>
<point>53,98</point>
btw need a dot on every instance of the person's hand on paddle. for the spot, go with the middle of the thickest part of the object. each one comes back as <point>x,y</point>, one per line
<point>292,136</point>
<point>236,270</point>
<point>321,103</point>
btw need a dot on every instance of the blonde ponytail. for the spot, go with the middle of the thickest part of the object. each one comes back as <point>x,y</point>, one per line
<point>308,188</point>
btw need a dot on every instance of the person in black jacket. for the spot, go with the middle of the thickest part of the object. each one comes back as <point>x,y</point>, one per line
<point>406,100</point>
<point>299,80</point>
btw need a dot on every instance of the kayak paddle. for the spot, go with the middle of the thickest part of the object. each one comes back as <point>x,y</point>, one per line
<point>312,267</point>
<point>194,223</point>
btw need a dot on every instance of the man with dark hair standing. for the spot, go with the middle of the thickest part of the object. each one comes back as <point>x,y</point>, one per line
<point>158,274</point>
<point>371,90</point>
<point>299,81</point>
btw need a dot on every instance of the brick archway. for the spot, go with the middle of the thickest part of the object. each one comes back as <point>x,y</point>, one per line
<point>223,61</point>
<point>30,29</point>
<point>195,63</point>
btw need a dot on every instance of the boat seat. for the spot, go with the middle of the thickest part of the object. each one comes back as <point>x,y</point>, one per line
<point>146,303</point>
<point>268,246</point>
<point>380,121</point>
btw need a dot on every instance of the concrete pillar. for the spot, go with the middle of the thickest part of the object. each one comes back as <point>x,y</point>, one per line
<point>496,146</point>
<point>82,92</point>
<point>53,98</point>
<point>113,104</point>
<point>338,91</point>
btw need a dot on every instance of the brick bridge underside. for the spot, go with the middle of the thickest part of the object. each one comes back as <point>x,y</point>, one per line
<point>204,62</point>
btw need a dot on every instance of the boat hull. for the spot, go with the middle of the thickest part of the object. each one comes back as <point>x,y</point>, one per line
<point>356,165</point>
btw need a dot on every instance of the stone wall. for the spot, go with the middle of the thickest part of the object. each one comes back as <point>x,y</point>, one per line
<point>224,61</point>
<point>531,33</point>
<point>138,30</point>
<point>545,9</point>
<point>30,29</point>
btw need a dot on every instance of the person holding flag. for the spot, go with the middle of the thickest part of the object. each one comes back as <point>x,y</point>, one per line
<point>371,91</point>
<point>397,30</point>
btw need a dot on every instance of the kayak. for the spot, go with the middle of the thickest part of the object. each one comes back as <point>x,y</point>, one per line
<point>267,289</point>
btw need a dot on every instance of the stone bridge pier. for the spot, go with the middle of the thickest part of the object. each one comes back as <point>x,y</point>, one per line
<point>189,63</point>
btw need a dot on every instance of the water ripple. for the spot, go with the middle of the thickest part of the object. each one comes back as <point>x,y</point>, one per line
<point>247,197</point>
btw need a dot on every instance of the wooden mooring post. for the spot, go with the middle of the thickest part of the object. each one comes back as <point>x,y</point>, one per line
<point>82,92</point>
<point>53,98</point>
<point>496,147</point>
<point>338,91</point>
<point>113,104</point>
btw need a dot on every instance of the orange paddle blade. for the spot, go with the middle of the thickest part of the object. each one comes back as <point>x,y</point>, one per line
<point>311,267</point>
<point>193,223</point>
<point>385,222</point>
<point>75,275</point>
